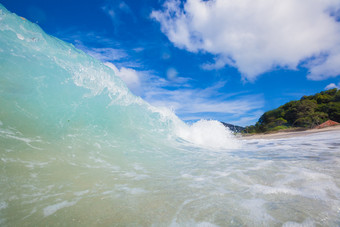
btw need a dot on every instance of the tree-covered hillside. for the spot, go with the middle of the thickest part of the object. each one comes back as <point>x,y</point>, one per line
<point>307,112</point>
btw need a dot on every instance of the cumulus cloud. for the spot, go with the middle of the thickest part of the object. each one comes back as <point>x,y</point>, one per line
<point>332,85</point>
<point>257,36</point>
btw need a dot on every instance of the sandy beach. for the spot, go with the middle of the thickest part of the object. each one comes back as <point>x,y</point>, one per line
<point>280,135</point>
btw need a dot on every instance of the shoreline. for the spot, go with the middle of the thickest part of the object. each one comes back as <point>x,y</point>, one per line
<point>281,135</point>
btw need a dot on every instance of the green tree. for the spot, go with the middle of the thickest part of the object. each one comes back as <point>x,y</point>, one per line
<point>325,98</point>
<point>307,112</point>
<point>334,111</point>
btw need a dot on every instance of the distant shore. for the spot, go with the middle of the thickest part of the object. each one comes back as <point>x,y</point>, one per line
<point>281,135</point>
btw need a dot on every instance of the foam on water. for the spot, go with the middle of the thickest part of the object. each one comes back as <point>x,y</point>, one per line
<point>77,148</point>
<point>49,210</point>
<point>209,134</point>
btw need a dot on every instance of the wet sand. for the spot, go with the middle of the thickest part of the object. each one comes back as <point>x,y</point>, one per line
<point>280,135</point>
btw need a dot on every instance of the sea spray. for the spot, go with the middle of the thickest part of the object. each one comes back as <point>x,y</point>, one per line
<point>208,134</point>
<point>78,149</point>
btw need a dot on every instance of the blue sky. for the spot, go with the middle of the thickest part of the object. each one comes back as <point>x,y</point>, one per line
<point>218,59</point>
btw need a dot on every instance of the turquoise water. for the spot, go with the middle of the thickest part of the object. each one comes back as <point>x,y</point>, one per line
<point>77,148</point>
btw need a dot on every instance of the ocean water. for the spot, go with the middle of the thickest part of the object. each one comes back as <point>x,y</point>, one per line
<point>77,148</point>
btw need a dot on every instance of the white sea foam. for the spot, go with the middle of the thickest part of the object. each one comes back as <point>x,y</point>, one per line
<point>257,212</point>
<point>80,193</point>
<point>208,134</point>
<point>20,37</point>
<point>193,223</point>
<point>203,133</point>
<point>130,190</point>
<point>55,207</point>
<point>3,205</point>
<point>306,223</point>
<point>135,175</point>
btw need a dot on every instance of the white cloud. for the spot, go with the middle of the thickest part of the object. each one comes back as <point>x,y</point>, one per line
<point>124,7</point>
<point>332,85</point>
<point>130,76</point>
<point>138,49</point>
<point>105,54</point>
<point>195,103</point>
<point>190,103</point>
<point>115,10</point>
<point>171,73</point>
<point>125,69</point>
<point>81,39</point>
<point>251,118</point>
<point>329,68</point>
<point>257,36</point>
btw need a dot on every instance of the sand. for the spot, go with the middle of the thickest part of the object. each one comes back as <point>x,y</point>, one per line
<point>280,135</point>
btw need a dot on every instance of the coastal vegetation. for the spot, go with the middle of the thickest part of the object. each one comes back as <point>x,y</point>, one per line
<point>305,113</point>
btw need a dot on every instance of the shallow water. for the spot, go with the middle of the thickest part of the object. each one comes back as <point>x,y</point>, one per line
<point>264,183</point>
<point>78,149</point>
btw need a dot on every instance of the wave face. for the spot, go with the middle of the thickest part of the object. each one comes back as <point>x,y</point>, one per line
<point>78,148</point>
